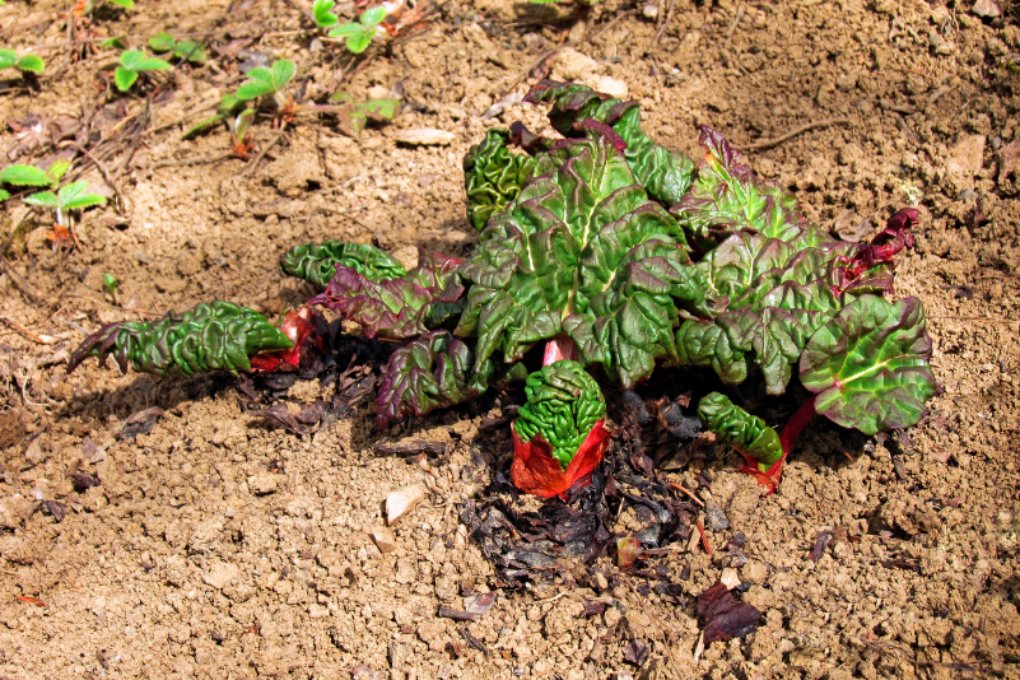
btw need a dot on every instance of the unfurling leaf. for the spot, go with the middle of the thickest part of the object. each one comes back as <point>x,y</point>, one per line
<point>423,299</point>
<point>737,428</point>
<point>317,263</point>
<point>563,404</point>
<point>493,176</point>
<point>208,337</point>
<point>869,365</point>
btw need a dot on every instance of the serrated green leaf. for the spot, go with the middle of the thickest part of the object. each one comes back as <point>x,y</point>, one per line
<point>373,16</point>
<point>322,11</point>
<point>282,71</point>
<point>8,58</point>
<point>124,78</point>
<point>216,336</point>
<point>31,62</point>
<point>45,199</point>
<point>130,59</point>
<point>73,196</point>
<point>24,176</point>
<point>563,404</point>
<point>162,42</point>
<point>736,427</point>
<point>869,366</point>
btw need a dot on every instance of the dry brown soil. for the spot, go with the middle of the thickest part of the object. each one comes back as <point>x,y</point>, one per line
<point>218,546</point>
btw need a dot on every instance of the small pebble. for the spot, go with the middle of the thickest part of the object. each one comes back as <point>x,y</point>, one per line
<point>403,501</point>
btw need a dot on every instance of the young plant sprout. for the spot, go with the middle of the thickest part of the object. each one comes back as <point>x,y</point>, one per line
<point>30,63</point>
<point>185,50</point>
<point>610,257</point>
<point>111,284</point>
<point>359,33</point>
<point>352,116</point>
<point>322,12</point>
<point>240,128</point>
<point>269,83</point>
<point>74,196</point>
<point>133,63</point>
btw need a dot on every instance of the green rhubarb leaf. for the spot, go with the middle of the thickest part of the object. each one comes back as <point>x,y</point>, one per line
<point>213,336</point>
<point>869,366</point>
<point>583,250</point>
<point>425,298</point>
<point>24,176</point>
<point>432,372</point>
<point>728,197</point>
<point>317,262</point>
<point>563,404</point>
<point>666,175</point>
<point>494,176</point>
<point>736,427</point>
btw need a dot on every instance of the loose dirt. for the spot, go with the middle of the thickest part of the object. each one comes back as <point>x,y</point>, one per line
<point>215,545</point>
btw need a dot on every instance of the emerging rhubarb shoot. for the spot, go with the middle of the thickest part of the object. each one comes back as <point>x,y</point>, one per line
<point>559,435</point>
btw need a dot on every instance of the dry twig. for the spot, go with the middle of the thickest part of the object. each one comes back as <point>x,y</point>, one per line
<point>769,143</point>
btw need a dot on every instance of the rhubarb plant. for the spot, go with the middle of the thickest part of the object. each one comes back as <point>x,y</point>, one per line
<point>610,256</point>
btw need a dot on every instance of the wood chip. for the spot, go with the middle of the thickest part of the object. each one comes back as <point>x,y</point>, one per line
<point>403,501</point>
<point>425,137</point>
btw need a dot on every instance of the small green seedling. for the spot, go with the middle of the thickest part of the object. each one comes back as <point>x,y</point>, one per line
<point>269,82</point>
<point>73,196</point>
<point>322,11</point>
<point>132,63</point>
<point>240,128</point>
<point>359,33</point>
<point>185,50</point>
<point>29,63</point>
<point>111,284</point>
<point>352,116</point>
<point>117,42</point>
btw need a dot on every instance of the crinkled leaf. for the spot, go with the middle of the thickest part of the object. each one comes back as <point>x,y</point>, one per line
<point>424,298</point>
<point>736,427</point>
<point>317,263</point>
<point>666,175</point>
<point>322,11</point>
<point>494,175</point>
<point>208,337</point>
<point>25,176</point>
<point>563,404</point>
<point>124,78</point>
<point>162,42</point>
<point>31,62</point>
<point>869,366</point>
<point>432,372</point>
<point>583,241</point>
<point>727,196</point>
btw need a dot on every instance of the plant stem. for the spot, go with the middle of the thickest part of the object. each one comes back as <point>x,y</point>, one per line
<point>803,416</point>
<point>560,347</point>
